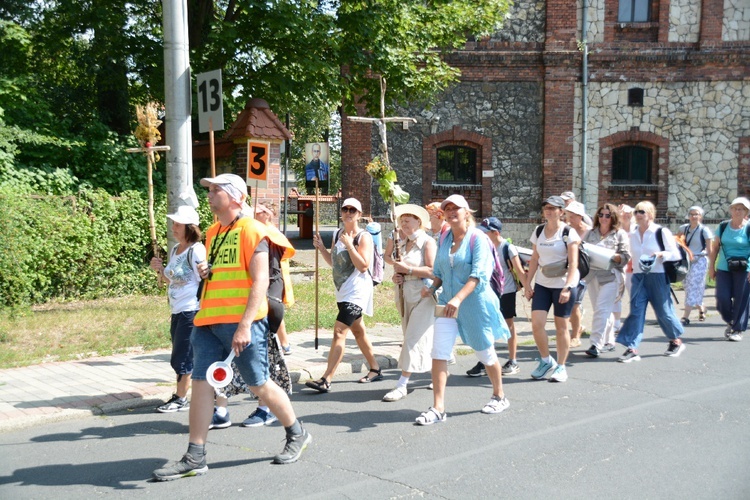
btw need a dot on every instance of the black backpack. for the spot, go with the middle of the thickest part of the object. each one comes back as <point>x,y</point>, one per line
<point>676,270</point>
<point>584,262</point>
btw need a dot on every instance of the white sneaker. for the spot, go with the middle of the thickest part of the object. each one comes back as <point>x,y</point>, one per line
<point>735,336</point>
<point>559,375</point>
<point>496,405</point>
<point>396,394</point>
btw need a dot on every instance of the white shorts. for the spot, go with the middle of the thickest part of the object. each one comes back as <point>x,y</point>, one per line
<point>444,338</point>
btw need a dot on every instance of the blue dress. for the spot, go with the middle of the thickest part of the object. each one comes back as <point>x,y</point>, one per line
<point>479,320</point>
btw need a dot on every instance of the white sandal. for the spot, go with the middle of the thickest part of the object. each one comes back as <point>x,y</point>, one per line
<point>431,416</point>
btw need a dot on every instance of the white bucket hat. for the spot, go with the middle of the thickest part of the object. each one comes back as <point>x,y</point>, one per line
<point>185,215</point>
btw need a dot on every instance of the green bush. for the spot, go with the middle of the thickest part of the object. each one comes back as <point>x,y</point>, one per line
<point>76,247</point>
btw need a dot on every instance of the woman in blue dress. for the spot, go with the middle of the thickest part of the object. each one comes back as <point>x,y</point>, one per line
<point>467,306</point>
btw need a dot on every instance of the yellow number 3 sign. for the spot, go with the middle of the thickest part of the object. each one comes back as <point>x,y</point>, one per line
<point>258,154</point>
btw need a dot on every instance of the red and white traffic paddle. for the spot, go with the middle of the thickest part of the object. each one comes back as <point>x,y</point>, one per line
<point>220,373</point>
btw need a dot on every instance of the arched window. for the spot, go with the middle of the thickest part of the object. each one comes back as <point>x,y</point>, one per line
<point>634,11</point>
<point>457,165</point>
<point>631,165</point>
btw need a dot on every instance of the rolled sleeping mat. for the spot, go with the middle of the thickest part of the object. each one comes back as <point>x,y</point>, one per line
<point>600,257</point>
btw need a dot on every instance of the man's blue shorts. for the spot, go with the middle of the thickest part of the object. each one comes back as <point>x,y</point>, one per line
<point>213,343</point>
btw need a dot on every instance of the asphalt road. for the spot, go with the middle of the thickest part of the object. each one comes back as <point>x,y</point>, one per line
<point>659,428</point>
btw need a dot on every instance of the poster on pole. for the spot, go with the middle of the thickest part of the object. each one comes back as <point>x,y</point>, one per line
<point>317,166</point>
<point>210,102</point>
<point>258,156</point>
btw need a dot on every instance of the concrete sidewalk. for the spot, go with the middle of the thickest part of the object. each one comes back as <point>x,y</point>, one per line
<point>63,390</point>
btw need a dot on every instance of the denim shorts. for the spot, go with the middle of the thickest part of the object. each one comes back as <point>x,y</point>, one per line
<point>545,297</point>
<point>212,343</point>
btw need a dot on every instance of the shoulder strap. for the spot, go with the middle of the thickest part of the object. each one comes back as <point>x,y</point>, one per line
<point>566,232</point>
<point>539,230</point>
<point>722,228</point>
<point>336,235</point>
<point>506,254</point>
<point>659,239</point>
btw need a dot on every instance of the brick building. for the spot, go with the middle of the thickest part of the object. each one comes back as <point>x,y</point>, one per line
<point>666,112</point>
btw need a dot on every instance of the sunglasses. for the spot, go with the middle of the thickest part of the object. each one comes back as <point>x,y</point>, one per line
<point>605,216</point>
<point>349,210</point>
<point>639,212</point>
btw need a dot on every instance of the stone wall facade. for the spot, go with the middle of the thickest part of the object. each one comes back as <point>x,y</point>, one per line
<point>520,100</point>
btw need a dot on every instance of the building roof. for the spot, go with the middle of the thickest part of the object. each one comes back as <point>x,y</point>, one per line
<point>258,121</point>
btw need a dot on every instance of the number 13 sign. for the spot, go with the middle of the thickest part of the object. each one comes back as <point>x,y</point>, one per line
<point>258,153</point>
<point>210,104</point>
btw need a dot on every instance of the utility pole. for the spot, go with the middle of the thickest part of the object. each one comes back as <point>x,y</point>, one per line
<point>177,100</point>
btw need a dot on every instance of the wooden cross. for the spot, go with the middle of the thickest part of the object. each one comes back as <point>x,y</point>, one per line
<point>380,122</point>
<point>149,152</point>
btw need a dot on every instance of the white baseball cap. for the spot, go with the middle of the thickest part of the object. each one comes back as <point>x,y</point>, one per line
<point>741,201</point>
<point>185,215</point>
<point>352,202</point>
<point>233,180</point>
<point>457,200</point>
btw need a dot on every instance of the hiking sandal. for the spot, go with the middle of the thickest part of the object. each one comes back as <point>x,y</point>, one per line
<point>430,417</point>
<point>367,379</point>
<point>321,385</point>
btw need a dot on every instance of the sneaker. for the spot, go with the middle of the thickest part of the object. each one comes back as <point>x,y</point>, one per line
<point>396,394</point>
<point>175,403</point>
<point>295,445</point>
<point>608,348</point>
<point>511,368</point>
<point>593,351</point>
<point>496,405</point>
<point>287,349</point>
<point>543,368</point>
<point>674,349</point>
<point>218,422</point>
<point>259,418</point>
<point>628,356</point>
<point>186,467</point>
<point>728,330</point>
<point>559,375</point>
<point>735,336</point>
<point>477,371</point>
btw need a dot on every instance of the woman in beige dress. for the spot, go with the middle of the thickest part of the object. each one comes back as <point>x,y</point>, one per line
<point>412,273</point>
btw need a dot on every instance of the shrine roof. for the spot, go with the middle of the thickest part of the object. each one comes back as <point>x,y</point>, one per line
<point>258,121</point>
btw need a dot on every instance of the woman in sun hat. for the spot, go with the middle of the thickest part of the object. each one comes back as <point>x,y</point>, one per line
<point>412,272</point>
<point>731,247</point>
<point>181,274</point>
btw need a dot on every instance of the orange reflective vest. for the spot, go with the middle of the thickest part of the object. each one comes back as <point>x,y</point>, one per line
<point>226,294</point>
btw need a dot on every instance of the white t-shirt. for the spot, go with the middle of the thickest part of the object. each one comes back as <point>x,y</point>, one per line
<point>551,251</point>
<point>184,278</point>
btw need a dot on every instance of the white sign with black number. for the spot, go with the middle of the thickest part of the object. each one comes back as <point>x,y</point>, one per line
<point>210,103</point>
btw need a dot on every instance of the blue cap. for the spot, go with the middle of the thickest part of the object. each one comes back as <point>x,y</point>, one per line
<point>491,224</point>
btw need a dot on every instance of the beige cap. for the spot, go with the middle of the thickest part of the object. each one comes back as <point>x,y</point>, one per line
<point>352,202</point>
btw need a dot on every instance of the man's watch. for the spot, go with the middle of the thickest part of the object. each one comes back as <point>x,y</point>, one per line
<point>568,288</point>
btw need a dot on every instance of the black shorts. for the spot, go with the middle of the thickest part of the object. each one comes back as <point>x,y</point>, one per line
<point>545,297</point>
<point>508,305</point>
<point>348,313</point>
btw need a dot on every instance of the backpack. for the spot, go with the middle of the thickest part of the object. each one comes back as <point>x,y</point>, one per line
<point>699,230</point>
<point>676,270</point>
<point>377,264</point>
<point>497,278</point>
<point>506,258</point>
<point>584,262</point>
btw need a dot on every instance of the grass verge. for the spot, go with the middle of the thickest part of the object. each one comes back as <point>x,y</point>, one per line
<point>75,330</point>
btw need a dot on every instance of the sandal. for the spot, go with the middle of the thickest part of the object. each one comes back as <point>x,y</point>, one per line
<point>685,321</point>
<point>321,385</point>
<point>431,416</point>
<point>701,315</point>
<point>367,379</point>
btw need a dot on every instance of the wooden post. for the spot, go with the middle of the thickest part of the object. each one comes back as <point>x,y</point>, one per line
<point>317,232</point>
